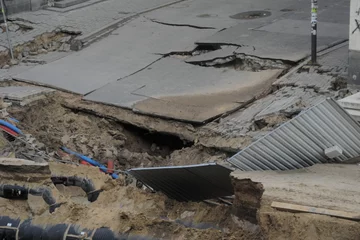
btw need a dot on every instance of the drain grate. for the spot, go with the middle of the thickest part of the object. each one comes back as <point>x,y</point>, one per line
<point>251,15</point>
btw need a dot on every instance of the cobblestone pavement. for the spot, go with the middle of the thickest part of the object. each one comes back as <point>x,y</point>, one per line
<point>85,20</point>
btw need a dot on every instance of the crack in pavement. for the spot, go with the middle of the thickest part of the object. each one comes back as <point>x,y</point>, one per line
<point>179,25</point>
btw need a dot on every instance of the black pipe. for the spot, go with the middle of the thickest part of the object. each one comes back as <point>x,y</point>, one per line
<point>26,230</point>
<point>85,184</point>
<point>16,192</point>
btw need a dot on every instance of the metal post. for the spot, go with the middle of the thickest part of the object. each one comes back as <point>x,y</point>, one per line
<point>314,9</point>
<point>6,28</point>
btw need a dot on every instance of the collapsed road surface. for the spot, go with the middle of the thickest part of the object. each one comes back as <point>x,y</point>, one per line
<point>169,92</point>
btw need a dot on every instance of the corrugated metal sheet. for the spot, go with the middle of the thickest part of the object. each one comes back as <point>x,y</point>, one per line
<point>188,183</point>
<point>301,142</point>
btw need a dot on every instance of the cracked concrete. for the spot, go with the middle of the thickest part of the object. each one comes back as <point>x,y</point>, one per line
<point>86,20</point>
<point>181,25</point>
<point>331,73</point>
<point>174,89</point>
<point>108,61</point>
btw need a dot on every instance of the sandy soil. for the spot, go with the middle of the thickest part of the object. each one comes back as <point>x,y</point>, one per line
<point>108,139</point>
<point>105,132</point>
<point>126,209</point>
<point>331,186</point>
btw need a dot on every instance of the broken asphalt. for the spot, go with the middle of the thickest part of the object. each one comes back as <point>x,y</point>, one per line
<point>196,61</point>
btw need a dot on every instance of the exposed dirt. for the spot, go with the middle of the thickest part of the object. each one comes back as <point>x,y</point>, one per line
<point>126,209</point>
<point>107,133</point>
<point>330,186</point>
<point>44,43</point>
<point>106,139</point>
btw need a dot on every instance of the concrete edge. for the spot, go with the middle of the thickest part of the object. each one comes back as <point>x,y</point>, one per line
<point>114,24</point>
<point>52,87</point>
<point>72,8</point>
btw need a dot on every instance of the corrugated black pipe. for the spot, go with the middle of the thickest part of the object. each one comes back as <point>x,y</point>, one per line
<point>85,184</point>
<point>15,229</point>
<point>21,193</point>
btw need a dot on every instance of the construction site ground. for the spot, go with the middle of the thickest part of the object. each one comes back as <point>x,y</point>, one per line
<point>173,84</point>
<point>132,140</point>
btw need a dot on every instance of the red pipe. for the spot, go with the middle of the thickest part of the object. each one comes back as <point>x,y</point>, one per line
<point>9,131</point>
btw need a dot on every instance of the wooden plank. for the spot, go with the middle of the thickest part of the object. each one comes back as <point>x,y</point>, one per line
<point>322,211</point>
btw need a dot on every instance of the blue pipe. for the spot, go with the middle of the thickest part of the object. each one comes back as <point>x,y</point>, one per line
<point>91,161</point>
<point>12,127</point>
<point>14,119</point>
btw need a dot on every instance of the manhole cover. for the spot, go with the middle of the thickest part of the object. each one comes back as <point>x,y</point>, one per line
<point>251,15</point>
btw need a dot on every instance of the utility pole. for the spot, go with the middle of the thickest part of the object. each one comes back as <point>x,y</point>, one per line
<point>314,9</point>
<point>6,28</point>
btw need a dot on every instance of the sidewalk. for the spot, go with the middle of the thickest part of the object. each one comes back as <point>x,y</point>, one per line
<point>84,20</point>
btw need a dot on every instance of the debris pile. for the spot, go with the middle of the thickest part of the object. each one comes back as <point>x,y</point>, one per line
<point>142,198</point>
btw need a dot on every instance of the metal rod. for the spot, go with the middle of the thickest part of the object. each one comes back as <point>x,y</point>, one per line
<point>314,10</point>
<point>6,28</point>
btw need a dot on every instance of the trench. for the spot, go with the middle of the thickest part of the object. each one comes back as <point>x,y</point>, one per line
<point>103,139</point>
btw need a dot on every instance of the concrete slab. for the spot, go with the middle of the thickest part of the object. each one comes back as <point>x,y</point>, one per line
<point>351,102</point>
<point>22,93</point>
<point>213,13</point>
<point>299,27</point>
<point>174,89</point>
<point>67,3</point>
<point>129,49</point>
<point>272,45</point>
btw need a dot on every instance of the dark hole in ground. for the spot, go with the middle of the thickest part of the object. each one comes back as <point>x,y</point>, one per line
<point>251,15</point>
<point>101,139</point>
<point>158,143</point>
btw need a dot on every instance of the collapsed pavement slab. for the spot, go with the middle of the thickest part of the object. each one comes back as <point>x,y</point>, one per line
<point>127,50</point>
<point>285,39</point>
<point>174,89</point>
<point>238,130</point>
<point>23,95</point>
<point>273,45</point>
